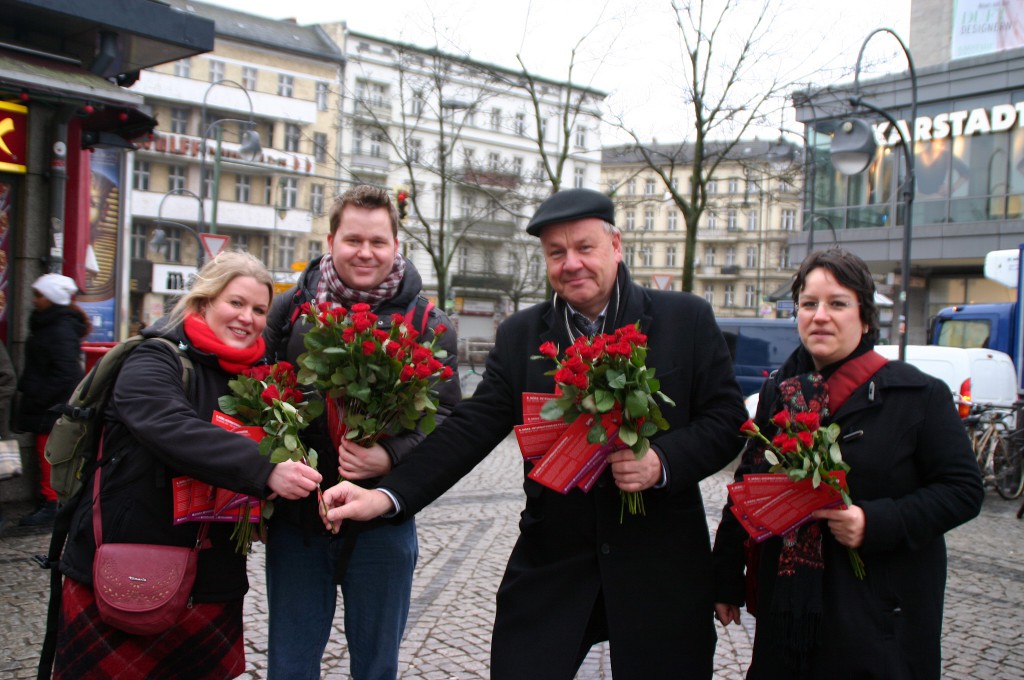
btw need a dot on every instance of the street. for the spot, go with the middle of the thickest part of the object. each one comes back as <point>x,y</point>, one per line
<point>465,538</point>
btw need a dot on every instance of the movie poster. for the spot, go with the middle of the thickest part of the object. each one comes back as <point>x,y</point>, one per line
<point>101,254</point>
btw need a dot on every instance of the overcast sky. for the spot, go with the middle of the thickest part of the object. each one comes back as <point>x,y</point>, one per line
<point>632,51</point>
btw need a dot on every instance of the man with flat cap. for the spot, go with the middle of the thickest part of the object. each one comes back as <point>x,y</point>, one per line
<point>579,574</point>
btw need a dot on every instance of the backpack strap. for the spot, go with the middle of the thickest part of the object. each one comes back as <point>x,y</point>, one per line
<point>417,314</point>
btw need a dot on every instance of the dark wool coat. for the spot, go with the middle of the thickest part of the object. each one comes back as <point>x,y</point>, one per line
<point>53,366</point>
<point>155,432</point>
<point>651,574</point>
<point>915,477</point>
<point>284,343</point>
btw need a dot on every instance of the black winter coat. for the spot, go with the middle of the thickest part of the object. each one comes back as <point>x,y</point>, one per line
<point>914,475</point>
<point>155,432</point>
<point>653,571</point>
<point>53,366</point>
<point>284,343</point>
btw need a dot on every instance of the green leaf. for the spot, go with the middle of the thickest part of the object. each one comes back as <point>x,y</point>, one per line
<point>427,423</point>
<point>636,404</point>
<point>279,456</point>
<point>551,410</point>
<point>648,429</point>
<point>665,398</point>
<point>604,400</point>
<point>816,479</point>
<point>312,457</point>
<point>291,442</point>
<point>771,457</point>
<point>616,379</point>
<point>835,454</point>
<point>628,435</point>
<point>596,433</point>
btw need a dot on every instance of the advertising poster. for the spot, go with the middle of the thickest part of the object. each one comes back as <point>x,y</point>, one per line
<point>101,255</point>
<point>6,216</point>
<point>986,26</point>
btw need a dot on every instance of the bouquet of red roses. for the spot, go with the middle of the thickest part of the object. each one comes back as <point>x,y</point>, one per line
<point>607,376</point>
<point>377,382</point>
<point>808,456</point>
<point>268,397</point>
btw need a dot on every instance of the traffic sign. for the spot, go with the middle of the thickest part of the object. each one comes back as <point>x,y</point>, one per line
<point>662,281</point>
<point>214,243</point>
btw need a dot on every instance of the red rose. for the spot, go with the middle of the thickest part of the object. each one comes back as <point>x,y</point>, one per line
<point>564,376</point>
<point>397,319</point>
<point>348,334</point>
<point>791,445</point>
<point>338,313</point>
<point>420,354</point>
<point>423,371</point>
<point>392,348</point>
<point>446,372</point>
<point>380,335</point>
<point>580,380</point>
<point>360,307</point>
<point>406,373</point>
<point>806,438</point>
<point>293,395</point>
<point>362,322</point>
<point>369,347</point>
<point>440,330</point>
<point>781,419</point>
<point>549,349</point>
<point>811,421</point>
<point>749,427</point>
<point>270,394</point>
<point>259,372</point>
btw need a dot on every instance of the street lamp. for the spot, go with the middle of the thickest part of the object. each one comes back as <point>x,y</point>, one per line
<point>159,239</point>
<point>853,149</point>
<point>249,147</point>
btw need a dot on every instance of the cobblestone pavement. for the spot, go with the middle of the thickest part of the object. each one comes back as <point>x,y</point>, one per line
<point>465,538</point>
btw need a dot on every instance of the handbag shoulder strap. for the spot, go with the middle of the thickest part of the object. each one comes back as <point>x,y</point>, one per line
<point>852,375</point>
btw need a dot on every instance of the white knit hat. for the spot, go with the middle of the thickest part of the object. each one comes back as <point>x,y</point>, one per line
<point>56,288</point>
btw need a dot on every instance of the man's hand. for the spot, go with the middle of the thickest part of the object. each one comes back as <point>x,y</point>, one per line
<point>348,501</point>
<point>846,525</point>
<point>358,462</point>
<point>632,474</point>
<point>293,479</point>
<point>727,613</point>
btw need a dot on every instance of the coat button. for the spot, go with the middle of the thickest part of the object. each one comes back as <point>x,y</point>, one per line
<point>605,549</point>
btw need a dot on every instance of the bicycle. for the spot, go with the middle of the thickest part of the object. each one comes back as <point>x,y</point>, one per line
<point>997,446</point>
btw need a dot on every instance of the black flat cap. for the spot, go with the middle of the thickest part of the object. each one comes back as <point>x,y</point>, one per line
<point>569,205</point>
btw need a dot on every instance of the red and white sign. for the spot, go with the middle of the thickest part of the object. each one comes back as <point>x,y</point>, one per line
<point>662,281</point>
<point>214,243</point>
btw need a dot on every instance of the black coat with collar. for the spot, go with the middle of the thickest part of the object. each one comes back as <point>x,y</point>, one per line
<point>53,366</point>
<point>653,571</point>
<point>913,473</point>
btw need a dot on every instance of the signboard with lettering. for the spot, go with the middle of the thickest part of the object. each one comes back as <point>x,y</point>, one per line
<point>172,279</point>
<point>13,137</point>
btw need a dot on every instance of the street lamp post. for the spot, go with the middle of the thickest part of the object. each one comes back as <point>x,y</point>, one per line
<point>249,147</point>
<point>853,149</point>
<point>159,239</point>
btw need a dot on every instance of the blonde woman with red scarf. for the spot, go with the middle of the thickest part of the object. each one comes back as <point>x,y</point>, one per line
<point>154,432</point>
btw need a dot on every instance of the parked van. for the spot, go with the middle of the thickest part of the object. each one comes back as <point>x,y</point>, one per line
<point>758,347</point>
<point>974,374</point>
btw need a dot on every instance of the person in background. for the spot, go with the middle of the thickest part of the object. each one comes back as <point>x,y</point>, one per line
<point>8,386</point>
<point>372,562</point>
<point>52,370</point>
<point>580,573</point>
<point>155,431</point>
<point>912,478</point>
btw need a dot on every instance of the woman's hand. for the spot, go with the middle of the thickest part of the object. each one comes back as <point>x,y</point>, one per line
<point>360,462</point>
<point>633,474</point>
<point>293,479</point>
<point>727,613</point>
<point>846,525</point>
<point>348,501</point>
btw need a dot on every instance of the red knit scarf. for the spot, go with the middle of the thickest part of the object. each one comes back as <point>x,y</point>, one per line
<point>231,359</point>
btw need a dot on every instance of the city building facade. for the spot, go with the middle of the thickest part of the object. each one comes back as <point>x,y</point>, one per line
<point>742,256</point>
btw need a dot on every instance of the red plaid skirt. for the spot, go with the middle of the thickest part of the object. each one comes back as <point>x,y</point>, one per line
<point>206,644</point>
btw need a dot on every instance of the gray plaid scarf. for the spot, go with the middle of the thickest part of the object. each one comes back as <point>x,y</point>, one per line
<point>332,289</point>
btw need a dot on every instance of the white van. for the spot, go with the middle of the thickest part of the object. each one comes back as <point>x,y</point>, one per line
<point>975,375</point>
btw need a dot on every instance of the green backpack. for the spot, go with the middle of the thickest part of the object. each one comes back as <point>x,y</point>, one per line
<point>74,441</point>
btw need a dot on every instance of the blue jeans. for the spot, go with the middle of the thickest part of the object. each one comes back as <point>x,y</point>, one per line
<point>302,597</point>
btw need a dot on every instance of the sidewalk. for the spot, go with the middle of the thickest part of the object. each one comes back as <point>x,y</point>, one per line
<point>465,539</point>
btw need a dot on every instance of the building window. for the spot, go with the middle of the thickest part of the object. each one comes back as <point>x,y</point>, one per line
<point>520,127</point>
<point>243,188</point>
<point>316,199</point>
<point>712,186</point>
<point>249,78</point>
<point>749,299</point>
<point>752,220</point>
<point>649,185</point>
<point>630,220</point>
<point>140,177</point>
<point>578,176</point>
<point>268,195</point>
<point>648,219</point>
<point>581,137</point>
<point>751,257</point>
<point>292,135</point>
<point>627,255</point>
<point>377,145</point>
<point>712,221</point>
<point>285,85</point>
<point>289,192</point>
<point>730,295</point>
<point>646,257</point>
<point>241,241</point>
<point>495,119</point>
<point>789,219</point>
<point>517,165</point>
<point>734,185</point>
<point>138,241</point>
<point>357,142</point>
<point>493,160</point>
<point>670,256</point>
<point>285,251</point>
<point>709,256</point>
<point>179,120</point>
<point>467,205</point>
<point>730,256</point>
<point>730,219</point>
<point>417,103</point>
<point>315,249</point>
<point>175,177</point>
<point>375,94</point>
<point>173,244</point>
<point>207,181</point>
<point>322,90</point>
<point>216,70</point>
<point>631,187</point>
<point>320,147</point>
<point>709,293</point>
<point>469,120</point>
<point>183,68</point>
<point>673,220</point>
<point>463,259</point>
<point>784,259</point>
<point>415,149</point>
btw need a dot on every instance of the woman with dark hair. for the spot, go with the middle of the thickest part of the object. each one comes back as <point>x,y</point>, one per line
<point>53,367</point>
<point>155,430</point>
<point>912,478</point>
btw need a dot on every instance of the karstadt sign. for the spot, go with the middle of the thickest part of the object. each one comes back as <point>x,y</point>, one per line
<point>963,123</point>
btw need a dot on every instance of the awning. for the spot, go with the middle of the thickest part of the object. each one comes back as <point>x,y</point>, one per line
<point>56,82</point>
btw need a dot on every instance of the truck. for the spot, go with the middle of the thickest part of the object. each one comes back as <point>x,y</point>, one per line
<point>994,325</point>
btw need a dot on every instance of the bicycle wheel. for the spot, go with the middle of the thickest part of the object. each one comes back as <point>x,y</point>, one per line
<point>1008,468</point>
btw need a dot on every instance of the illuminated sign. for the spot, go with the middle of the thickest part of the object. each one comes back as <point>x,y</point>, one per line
<point>13,137</point>
<point>964,123</point>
